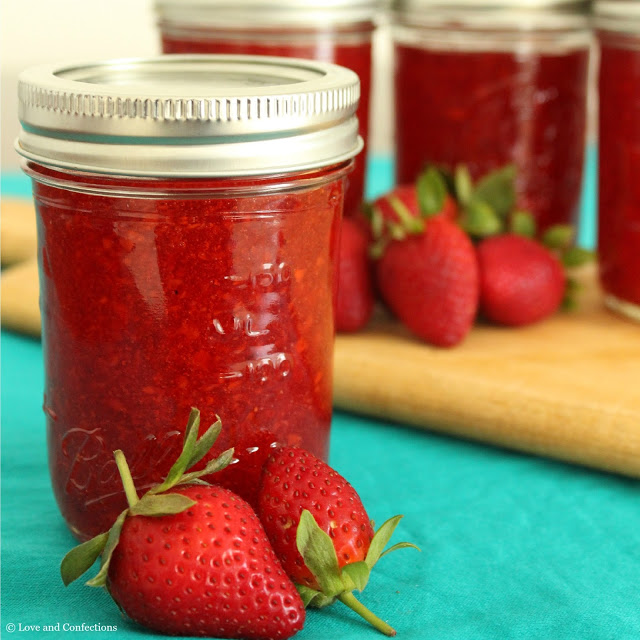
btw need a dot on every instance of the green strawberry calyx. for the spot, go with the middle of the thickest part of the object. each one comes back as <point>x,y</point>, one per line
<point>560,240</point>
<point>431,190</point>
<point>156,502</point>
<point>487,207</point>
<point>335,583</point>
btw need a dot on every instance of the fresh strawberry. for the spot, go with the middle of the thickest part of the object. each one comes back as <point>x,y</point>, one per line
<point>430,281</point>
<point>209,571</point>
<point>192,559</point>
<point>521,281</point>
<point>355,288</point>
<point>320,530</point>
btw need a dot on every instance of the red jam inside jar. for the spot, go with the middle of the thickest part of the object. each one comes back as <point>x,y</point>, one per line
<point>619,173</point>
<point>159,294</point>
<point>487,106</point>
<point>287,31</point>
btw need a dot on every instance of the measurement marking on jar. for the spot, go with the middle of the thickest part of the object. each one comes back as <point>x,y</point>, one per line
<point>276,366</point>
<point>270,274</point>
<point>240,325</point>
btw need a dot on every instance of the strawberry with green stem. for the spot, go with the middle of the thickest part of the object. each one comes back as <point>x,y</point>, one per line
<point>406,208</point>
<point>430,281</point>
<point>321,532</point>
<point>188,558</point>
<point>523,278</point>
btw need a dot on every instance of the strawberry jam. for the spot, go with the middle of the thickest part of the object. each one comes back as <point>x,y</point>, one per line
<point>186,262</point>
<point>352,53</point>
<point>472,98</point>
<point>619,180</point>
<point>154,305</point>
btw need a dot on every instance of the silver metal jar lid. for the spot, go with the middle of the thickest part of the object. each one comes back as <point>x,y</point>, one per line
<point>191,115</point>
<point>618,15</point>
<point>520,14</point>
<point>249,14</point>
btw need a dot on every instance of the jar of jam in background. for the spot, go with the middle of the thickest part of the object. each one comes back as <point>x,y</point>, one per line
<point>618,25</point>
<point>188,212</point>
<point>336,31</point>
<point>488,83</point>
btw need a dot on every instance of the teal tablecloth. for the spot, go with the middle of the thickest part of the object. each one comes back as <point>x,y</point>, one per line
<point>514,547</point>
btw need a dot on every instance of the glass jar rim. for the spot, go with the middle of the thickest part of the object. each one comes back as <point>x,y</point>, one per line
<point>617,15</point>
<point>283,13</point>
<point>193,115</point>
<point>491,5</point>
<point>183,187</point>
<point>486,14</point>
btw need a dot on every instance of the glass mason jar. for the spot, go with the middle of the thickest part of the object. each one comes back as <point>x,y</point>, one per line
<point>488,83</point>
<point>188,212</point>
<point>618,25</point>
<point>336,31</point>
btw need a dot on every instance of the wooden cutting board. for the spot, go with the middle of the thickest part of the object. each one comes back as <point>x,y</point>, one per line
<point>17,231</point>
<point>568,388</point>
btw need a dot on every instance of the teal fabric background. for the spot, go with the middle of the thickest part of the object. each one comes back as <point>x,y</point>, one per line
<point>513,547</point>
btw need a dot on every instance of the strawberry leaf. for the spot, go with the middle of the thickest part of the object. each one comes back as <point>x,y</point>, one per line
<point>481,220</point>
<point>380,540</point>
<point>213,466</point>
<point>576,257</point>
<point>408,221</point>
<point>355,576</point>
<point>523,223</point>
<point>113,538</point>
<point>463,185</point>
<point>319,555</point>
<point>432,191</point>
<point>204,444</point>
<point>497,189</point>
<point>81,558</point>
<point>397,231</point>
<point>312,598</point>
<point>569,302</point>
<point>400,545</point>
<point>161,505</point>
<point>182,463</point>
<point>307,594</point>
<point>560,236</point>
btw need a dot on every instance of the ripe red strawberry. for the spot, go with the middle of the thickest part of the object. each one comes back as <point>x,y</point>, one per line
<point>320,530</point>
<point>355,289</point>
<point>294,480</point>
<point>195,561</point>
<point>208,571</point>
<point>521,281</point>
<point>430,281</point>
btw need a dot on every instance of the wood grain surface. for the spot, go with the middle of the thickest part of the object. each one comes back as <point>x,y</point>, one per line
<point>568,388</point>
<point>17,231</point>
<point>19,291</point>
